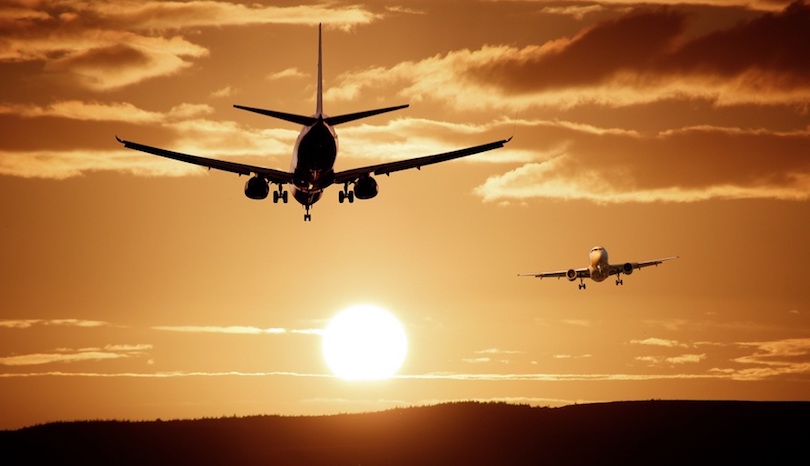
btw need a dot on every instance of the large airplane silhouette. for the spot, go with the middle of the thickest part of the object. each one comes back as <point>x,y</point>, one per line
<point>313,158</point>
<point>598,268</point>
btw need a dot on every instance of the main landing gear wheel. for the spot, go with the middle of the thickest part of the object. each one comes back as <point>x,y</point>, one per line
<point>619,281</point>
<point>307,216</point>
<point>280,194</point>
<point>346,194</point>
<point>581,285</point>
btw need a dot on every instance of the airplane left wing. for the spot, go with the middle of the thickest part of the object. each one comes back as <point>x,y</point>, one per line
<point>271,175</point>
<point>620,268</point>
<point>580,273</point>
<point>348,176</point>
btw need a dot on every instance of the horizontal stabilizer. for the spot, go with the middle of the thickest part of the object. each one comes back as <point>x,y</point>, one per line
<point>300,119</point>
<point>336,120</point>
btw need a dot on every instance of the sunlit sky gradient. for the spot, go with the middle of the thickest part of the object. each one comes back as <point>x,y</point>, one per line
<point>134,287</point>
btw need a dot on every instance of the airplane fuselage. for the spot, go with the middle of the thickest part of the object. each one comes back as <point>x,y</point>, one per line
<point>598,267</point>
<point>313,160</point>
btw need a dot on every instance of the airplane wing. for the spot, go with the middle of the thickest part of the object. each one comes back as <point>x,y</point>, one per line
<point>581,273</point>
<point>353,174</point>
<point>620,268</point>
<point>271,175</point>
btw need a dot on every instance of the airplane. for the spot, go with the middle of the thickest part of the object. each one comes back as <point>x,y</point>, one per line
<point>599,268</point>
<point>313,157</point>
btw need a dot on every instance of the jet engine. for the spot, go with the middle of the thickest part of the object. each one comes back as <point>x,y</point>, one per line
<point>627,268</point>
<point>257,188</point>
<point>365,188</point>
<point>571,275</point>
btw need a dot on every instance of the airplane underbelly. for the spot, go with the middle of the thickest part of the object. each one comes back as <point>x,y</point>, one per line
<point>598,274</point>
<point>305,197</point>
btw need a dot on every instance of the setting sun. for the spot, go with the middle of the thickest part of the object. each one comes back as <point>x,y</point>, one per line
<point>364,343</point>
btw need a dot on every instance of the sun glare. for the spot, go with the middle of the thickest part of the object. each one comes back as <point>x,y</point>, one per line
<point>364,343</point>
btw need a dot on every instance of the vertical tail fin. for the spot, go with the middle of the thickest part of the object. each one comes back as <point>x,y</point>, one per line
<point>319,107</point>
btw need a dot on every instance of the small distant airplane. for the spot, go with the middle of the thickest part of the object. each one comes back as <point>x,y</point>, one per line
<point>599,268</point>
<point>313,158</point>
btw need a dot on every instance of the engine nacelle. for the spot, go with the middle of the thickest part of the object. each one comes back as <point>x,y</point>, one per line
<point>627,268</point>
<point>365,188</point>
<point>571,275</point>
<point>257,188</point>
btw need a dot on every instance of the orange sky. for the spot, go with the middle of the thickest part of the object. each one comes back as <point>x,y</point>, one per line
<point>134,287</point>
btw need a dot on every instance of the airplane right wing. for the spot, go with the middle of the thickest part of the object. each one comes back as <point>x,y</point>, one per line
<point>621,268</point>
<point>348,176</point>
<point>271,175</point>
<point>580,273</point>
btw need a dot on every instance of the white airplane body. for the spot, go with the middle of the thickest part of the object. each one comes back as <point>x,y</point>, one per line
<point>313,157</point>
<point>598,269</point>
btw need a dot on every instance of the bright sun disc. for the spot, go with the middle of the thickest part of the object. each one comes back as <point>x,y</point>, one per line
<point>364,343</point>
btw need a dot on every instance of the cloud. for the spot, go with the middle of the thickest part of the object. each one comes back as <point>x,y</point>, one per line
<point>287,73</point>
<point>28,323</point>
<point>226,91</point>
<point>659,342</point>
<point>686,358</point>
<point>619,167</point>
<point>642,57</point>
<point>779,353</point>
<point>97,111</point>
<point>192,133</point>
<point>498,351</point>
<point>112,44</point>
<point>161,375</point>
<point>570,356</point>
<point>64,355</point>
<point>578,11</point>
<point>233,330</point>
<point>477,360</point>
<point>59,165</point>
<point>236,330</point>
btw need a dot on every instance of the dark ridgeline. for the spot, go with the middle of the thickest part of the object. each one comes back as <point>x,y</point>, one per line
<point>469,433</point>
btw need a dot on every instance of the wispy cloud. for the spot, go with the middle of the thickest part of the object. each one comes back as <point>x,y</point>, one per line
<point>287,73</point>
<point>226,91</point>
<point>65,355</point>
<point>112,111</point>
<point>659,342</point>
<point>671,360</point>
<point>779,353</point>
<point>28,323</point>
<point>112,44</point>
<point>161,375</point>
<point>643,56</point>
<point>191,132</point>
<point>476,360</point>
<point>237,330</point>
<point>498,351</point>
<point>571,356</point>
<point>608,167</point>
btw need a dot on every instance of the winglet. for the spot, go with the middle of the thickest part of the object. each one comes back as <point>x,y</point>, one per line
<point>118,139</point>
<point>319,104</point>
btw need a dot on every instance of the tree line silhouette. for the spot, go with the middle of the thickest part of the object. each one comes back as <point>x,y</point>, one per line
<point>465,433</point>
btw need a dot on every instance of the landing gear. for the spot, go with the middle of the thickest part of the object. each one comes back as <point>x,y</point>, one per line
<point>307,216</point>
<point>280,194</point>
<point>346,194</point>
<point>619,281</point>
<point>581,284</point>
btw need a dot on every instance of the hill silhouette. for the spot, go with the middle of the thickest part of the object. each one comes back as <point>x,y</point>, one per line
<point>468,433</point>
